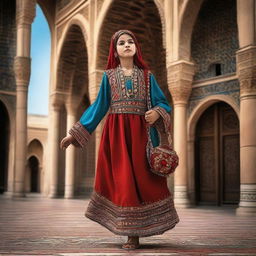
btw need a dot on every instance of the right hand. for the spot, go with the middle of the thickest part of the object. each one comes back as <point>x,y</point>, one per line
<point>66,141</point>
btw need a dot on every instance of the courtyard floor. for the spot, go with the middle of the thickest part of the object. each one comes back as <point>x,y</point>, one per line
<point>42,226</point>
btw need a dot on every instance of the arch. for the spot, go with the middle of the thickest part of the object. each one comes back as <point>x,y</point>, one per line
<point>215,39</point>
<point>35,148</point>
<point>191,130</point>
<point>34,174</point>
<point>73,53</point>
<point>47,13</point>
<point>137,16</point>
<point>4,147</point>
<point>203,105</point>
<point>79,21</point>
<point>104,11</point>
<point>9,109</point>
<point>188,16</point>
<point>11,152</point>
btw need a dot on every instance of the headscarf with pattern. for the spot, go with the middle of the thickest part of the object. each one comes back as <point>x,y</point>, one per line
<point>113,59</point>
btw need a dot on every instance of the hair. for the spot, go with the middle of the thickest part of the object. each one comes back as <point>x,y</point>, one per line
<point>113,59</point>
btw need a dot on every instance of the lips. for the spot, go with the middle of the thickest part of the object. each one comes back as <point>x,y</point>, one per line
<point>127,50</point>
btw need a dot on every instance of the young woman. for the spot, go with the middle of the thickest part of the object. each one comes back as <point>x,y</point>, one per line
<point>128,199</point>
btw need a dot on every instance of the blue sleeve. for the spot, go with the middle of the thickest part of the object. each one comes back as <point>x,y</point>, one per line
<point>95,113</point>
<point>157,96</point>
<point>158,99</point>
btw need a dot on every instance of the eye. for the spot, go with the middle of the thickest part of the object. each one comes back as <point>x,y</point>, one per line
<point>130,42</point>
<point>121,43</point>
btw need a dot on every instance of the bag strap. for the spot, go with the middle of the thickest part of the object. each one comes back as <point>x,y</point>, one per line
<point>162,125</point>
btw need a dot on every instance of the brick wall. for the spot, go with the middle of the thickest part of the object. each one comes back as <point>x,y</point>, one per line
<point>62,3</point>
<point>7,44</point>
<point>215,38</point>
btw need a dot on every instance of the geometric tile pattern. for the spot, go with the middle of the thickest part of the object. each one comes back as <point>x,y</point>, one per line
<point>215,38</point>
<point>231,88</point>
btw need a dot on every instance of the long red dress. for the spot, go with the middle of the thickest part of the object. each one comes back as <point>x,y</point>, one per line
<point>128,199</point>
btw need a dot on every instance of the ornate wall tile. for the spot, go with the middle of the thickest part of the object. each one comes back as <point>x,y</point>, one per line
<point>215,39</point>
<point>230,88</point>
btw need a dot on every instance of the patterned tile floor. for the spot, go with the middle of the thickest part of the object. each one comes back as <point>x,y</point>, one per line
<point>42,226</point>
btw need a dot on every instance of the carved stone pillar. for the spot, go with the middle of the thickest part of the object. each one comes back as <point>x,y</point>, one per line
<point>246,69</point>
<point>25,12</point>
<point>54,147</point>
<point>180,77</point>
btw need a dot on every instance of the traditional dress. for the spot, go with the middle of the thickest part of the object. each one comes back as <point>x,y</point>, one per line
<point>128,199</point>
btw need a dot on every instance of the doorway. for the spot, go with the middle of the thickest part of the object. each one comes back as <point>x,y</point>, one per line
<point>4,147</point>
<point>34,174</point>
<point>217,157</point>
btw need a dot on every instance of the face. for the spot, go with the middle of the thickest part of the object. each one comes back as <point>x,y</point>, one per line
<point>125,46</point>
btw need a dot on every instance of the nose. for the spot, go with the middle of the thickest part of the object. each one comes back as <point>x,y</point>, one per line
<point>127,44</point>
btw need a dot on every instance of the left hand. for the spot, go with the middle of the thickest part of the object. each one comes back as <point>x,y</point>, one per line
<point>151,116</point>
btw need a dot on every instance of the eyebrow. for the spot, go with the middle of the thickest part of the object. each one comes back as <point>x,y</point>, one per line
<point>130,39</point>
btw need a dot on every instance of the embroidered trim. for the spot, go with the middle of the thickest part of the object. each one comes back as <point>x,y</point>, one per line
<point>165,117</point>
<point>80,134</point>
<point>129,106</point>
<point>146,220</point>
<point>123,100</point>
<point>163,126</point>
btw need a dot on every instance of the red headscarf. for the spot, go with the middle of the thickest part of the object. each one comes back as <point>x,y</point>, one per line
<point>113,60</point>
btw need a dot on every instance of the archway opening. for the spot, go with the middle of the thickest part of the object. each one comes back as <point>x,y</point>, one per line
<point>73,82</point>
<point>4,147</point>
<point>34,174</point>
<point>143,19</point>
<point>38,90</point>
<point>217,156</point>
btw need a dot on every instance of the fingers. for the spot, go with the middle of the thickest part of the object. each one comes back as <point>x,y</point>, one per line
<point>149,112</point>
<point>64,143</point>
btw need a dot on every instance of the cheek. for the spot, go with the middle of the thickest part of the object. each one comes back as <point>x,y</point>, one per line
<point>119,50</point>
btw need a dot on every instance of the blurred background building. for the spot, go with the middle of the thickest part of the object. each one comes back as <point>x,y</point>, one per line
<point>203,54</point>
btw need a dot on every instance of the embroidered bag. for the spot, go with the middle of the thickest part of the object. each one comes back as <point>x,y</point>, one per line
<point>162,159</point>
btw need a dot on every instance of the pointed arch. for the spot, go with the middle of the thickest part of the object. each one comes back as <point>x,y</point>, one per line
<point>188,16</point>
<point>146,19</point>
<point>202,106</point>
<point>35,148</point>
<point>79,21</point>
<point>72,58</point>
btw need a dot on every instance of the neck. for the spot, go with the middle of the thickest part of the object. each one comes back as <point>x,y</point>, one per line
<point>126,63</point>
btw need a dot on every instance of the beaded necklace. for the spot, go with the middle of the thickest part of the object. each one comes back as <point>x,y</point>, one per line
<point>131,89</point>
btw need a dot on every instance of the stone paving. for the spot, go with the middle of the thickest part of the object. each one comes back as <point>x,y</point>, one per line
<point>42,226</point>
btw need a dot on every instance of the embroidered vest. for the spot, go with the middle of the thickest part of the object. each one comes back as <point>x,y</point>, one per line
<point>128,95</point>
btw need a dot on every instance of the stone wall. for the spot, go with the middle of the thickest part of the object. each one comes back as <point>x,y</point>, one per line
<point>7,44</point>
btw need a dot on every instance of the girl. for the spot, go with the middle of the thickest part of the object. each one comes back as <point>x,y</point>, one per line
<point>128,199</point>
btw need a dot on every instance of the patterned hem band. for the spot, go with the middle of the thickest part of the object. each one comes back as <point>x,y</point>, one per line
<point>145,220</point>
<point>80,134</point>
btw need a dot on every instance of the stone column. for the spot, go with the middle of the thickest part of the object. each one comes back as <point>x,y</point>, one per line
<point>54,147</point>
<point>25,13</point>
<point>180,77</point>
<point>246,69</point>
<point>70,154</point>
